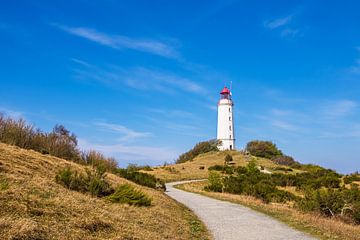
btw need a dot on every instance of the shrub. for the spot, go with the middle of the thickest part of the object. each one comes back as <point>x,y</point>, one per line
<point>216,168</point>
<point>215,183</point>
<point>344,203</point>
<point>93,181</point>
<point>141,178</point>
<point>284,160</point>
<point>199,148</point>
<point>127,194</point>
<point>96,183</point>
<point>201,167</point>
<point>264,149</point>
<point>98,160</point>
<point>351,178</point>
<point>60,142</point>
<point>228,159</point>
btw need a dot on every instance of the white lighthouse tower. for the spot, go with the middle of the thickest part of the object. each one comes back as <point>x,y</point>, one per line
<point>225,127</point>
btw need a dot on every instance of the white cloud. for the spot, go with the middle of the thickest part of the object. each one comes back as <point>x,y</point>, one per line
<point>283,125</point>
<point>132,154</point>
<point>276,23</point>
<point>128,134</point>
<point>122,42</point>
<point>339,108</point>
<point>138,78</point>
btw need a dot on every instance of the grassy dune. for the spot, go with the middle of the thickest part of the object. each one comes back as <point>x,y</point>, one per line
<point>34,206</point>
<point>198,167</point>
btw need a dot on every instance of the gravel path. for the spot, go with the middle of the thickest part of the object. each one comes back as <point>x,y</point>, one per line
<point>228,221</point>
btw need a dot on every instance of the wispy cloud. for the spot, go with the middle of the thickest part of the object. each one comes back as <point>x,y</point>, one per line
<point>283,25</point>
<point>138,78</point>
<point>284,125</point>
<point>122,42</point>
<point>339,108</point>
<point>279,22</point>
<point>132,154</point>
<point>127,133</point>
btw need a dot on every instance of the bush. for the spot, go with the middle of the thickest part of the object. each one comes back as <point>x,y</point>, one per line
<point>216,168</point>
<point>215,183</point>
<point>228,159</point>
<point>351,178</point>
<point>60,142</point>
<point>141,178</point>
<point>98,160</point>
<point>250,181</point>
<point>344,203</point>
<point>127,194</point>
<point>199,148</point>
<point>284,160</point>
<point>264,149</point>
<point>93,182</point>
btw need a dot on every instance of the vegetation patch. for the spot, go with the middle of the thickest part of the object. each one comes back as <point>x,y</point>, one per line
<point>322,190</point>
<point>93,182</point>
<point>128,194</point>
<point>199,148</point>
<point>131,173</point>
<point>4,184</point>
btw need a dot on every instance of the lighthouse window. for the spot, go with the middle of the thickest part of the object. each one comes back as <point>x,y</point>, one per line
<point>229,127</point>
<point>230,136</point>
<point>229,109</point>
<point>229,118</point>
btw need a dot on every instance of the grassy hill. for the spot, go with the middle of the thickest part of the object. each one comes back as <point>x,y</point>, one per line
<point>34,206</point>
<point>198,167</point>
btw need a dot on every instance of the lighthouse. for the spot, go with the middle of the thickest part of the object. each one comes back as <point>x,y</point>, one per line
<point>225,127</point>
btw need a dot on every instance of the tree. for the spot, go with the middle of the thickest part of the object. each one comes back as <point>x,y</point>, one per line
<point>264,149</point>
<point>199,148</point>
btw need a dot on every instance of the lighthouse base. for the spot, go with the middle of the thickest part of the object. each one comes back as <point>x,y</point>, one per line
<point>226,144</point>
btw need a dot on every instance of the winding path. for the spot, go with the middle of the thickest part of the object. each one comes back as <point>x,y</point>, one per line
<point>229,221</point>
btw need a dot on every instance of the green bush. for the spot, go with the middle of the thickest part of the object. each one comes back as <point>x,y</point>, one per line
<point>141,178</point>
<point>351,178</point>
<point>215,183</point>
<point>344,203</point>
<point>249,181</point>
<point>199,148</point>
<point>93,181</point>
<point>128,194</point>
<point>264,149</point>
<point>216,168</point>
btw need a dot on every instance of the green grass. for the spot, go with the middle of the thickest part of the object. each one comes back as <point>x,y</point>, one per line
<point>4,184</point>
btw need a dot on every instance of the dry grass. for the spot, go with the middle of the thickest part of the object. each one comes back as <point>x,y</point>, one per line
<point>192,169</point>
<point>33,206</point>
<point>323,228</point>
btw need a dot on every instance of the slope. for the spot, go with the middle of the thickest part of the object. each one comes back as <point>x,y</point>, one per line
<point>34,206</point>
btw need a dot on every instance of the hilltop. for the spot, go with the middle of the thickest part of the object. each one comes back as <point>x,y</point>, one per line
<point>34,206</point>
<point>198,167</point>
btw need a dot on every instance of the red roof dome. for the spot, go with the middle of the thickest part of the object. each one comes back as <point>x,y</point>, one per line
<point>225,91</point>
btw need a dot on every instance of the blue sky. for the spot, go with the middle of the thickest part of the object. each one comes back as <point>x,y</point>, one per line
<point>140,80</point>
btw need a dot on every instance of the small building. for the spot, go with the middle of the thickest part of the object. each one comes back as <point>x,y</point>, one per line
<point>225,125</point>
